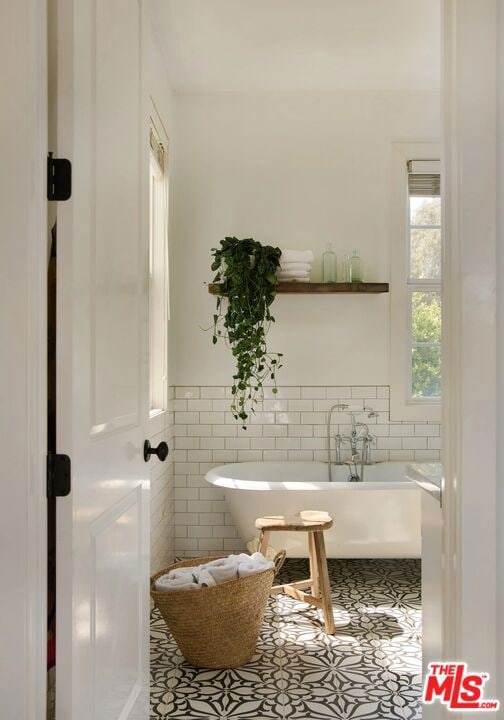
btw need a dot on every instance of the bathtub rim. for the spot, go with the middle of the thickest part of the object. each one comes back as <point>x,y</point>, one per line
<point>235,483</point>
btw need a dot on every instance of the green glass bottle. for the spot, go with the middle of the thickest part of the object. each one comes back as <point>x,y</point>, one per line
<point>329,265</point>
<point>355,268</point>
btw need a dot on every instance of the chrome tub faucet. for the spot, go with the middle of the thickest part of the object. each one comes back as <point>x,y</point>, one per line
<point>359,433</point>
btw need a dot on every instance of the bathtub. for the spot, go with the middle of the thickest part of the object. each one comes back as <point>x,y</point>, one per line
<point>376,518</point>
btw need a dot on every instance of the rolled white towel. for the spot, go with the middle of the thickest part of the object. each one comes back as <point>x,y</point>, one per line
<point>250,565</point>
<point>167,584</point>
<point>205,579</point>
<point>294,279</point>
<point>184,572</point>
<point>297,256</point>
<point>219,562</point>
<point>295,266</point>
<point>293,273</point>
<point>224,573</point>
<point>223,569</point>
<point>253,546</point>
<point>258,557</point>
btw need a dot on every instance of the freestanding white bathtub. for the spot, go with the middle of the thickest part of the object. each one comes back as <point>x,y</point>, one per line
<point>376,518</point>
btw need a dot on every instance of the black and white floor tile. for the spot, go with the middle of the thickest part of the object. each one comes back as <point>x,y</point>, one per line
<point>369,670</point>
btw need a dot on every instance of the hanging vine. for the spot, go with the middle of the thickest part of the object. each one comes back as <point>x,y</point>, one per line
<point>246,272</point>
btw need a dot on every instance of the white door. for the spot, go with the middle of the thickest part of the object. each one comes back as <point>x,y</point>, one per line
<point>102,374</point>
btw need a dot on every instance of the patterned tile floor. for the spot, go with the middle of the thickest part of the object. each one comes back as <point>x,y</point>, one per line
<point>369,670</point>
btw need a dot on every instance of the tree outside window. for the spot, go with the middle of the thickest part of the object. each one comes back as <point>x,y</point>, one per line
<point>424,285</point>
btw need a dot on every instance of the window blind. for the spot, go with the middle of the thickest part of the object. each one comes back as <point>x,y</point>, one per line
<point>424,178</point>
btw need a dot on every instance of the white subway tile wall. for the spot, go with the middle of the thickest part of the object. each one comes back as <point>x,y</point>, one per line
<point>290,425</point>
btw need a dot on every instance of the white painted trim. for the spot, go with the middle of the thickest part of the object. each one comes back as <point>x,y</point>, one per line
<point>38,386</point>
<point>24,257</point>
<point>400,407</point>
<point>158,420</point>
<point>469,334</point>
<point>37,333</point>
<point>500,347</point>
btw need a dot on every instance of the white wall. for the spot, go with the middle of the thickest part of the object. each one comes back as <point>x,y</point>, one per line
<point>295,170</point>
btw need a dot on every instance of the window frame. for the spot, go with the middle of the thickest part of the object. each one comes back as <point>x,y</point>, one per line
<point>157,254</point>
<point>402,405</point>
<point>418,285</point>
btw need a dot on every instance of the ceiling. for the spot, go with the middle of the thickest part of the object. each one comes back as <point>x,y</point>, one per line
<point>246,45</point>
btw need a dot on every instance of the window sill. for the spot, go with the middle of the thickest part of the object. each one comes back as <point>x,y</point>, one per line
<point>158,422</point>
<point>422,411</point>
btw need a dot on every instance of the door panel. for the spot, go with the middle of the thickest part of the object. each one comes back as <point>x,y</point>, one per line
<point>117,654</point>
<point>117,283</point>
<point>102,337</point>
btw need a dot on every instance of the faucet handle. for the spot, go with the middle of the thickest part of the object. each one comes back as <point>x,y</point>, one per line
<point>371,413</point>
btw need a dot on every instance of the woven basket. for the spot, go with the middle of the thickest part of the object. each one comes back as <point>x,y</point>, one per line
<point>215,627</point>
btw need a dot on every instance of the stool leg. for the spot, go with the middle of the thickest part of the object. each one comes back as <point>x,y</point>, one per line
<point>313,566</point>
<point>323,576</point>
<point>264,537</point>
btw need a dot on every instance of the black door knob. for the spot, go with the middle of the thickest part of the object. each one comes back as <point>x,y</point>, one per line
<point>161,451</point>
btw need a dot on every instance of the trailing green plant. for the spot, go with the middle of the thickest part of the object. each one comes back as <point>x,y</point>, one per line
<point>246,273</point>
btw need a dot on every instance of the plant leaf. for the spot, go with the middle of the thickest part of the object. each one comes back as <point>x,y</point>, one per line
<point>246,271</point>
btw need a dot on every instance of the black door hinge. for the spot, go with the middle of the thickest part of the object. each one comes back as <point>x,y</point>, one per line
<point>59,178</point>
<point>59,471</point>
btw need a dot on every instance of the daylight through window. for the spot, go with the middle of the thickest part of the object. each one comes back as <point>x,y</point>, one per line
<point>158,272</point>
<point>424,280</point>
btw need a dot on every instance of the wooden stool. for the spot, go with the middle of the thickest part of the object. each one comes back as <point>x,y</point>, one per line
<point>314,523</point>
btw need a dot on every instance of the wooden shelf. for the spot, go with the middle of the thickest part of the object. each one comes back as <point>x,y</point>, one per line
<point>317,288</point>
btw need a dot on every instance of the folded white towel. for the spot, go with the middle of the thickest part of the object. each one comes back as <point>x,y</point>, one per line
<point>205,578</point>
<point>223,569</point>
<point>295,266</point>
<point>253,546</point>
<point>250,565</point>
<point>185,572</point>
<point>167,584</point>
<point>213,572</point>
<point>293,273</point>
<point>294,279</point>
<point>219,562</point>
<point>258,557</point>
<point>302,256</point>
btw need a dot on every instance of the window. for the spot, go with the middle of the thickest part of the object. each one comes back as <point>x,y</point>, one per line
<point>424,280</point>
<point>415,288</point>
<point>158,271</point>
